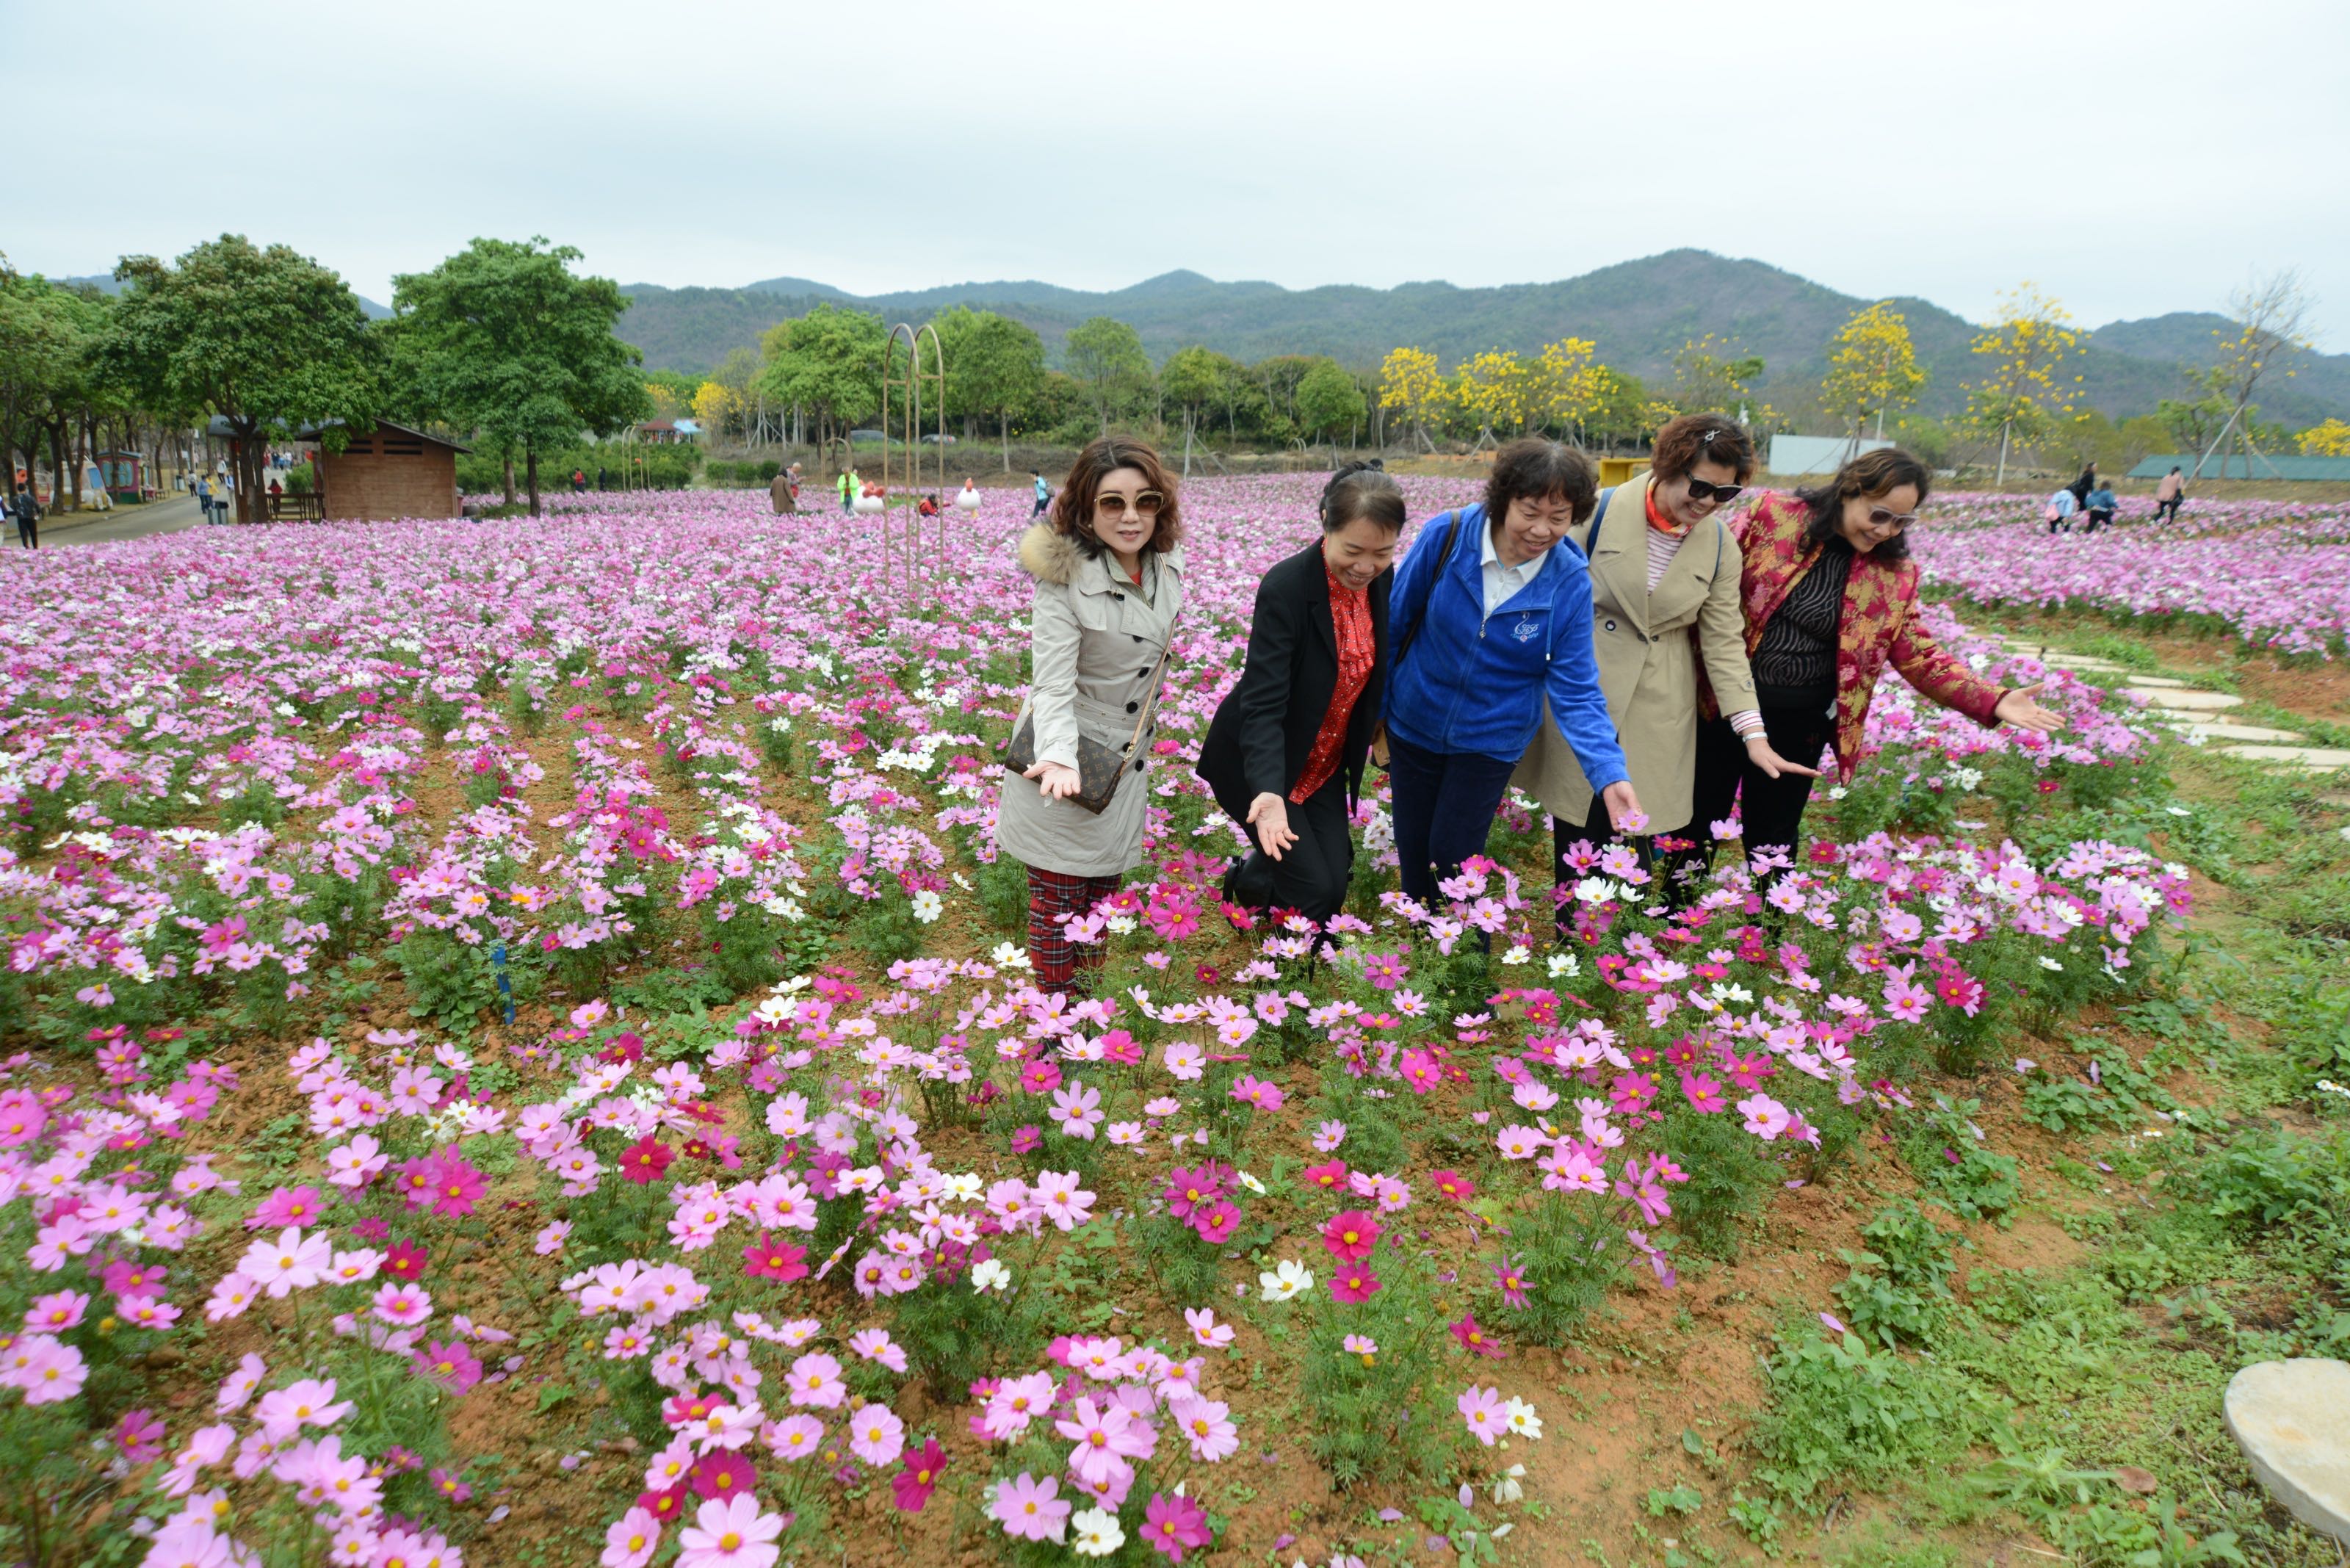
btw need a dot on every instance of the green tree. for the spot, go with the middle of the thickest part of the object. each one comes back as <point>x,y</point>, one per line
<point>1105,357</point>
<point>1329,399</point>
<point>267,339</point>
<point>994,366</point>
<point>828,362</point>
<point>503,340</point>
<point>1619,408</point>
<point>1709,375</point>
<point>54,381</point>
<point>1195,377</point>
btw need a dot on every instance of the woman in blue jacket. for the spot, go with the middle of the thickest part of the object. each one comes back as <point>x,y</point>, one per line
<point>1490,619</point>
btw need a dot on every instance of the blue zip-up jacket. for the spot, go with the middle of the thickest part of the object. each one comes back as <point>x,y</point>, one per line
<point>1469,684</point>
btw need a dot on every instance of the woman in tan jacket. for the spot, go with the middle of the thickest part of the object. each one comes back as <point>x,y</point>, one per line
<point>1109,585</point>
<point>1664,593</point>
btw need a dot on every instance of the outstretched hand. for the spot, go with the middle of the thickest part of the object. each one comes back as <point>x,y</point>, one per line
<point>2021,708</point>
<point>1624,807</point>
<point>1759,752</point>
<point>1269,814</point>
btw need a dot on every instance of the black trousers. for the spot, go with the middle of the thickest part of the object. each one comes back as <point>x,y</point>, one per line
<point>2168,508</point>
<point>2099,517</point>
<point>28,532</point>
<point>1311,875</point>
<point>1771,811</point>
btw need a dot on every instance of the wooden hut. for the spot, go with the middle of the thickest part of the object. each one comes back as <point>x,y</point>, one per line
<point>387,473</point>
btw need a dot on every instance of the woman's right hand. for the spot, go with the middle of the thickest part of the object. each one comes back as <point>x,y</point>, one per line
<point>1269,814</point>
<point>1056,782</point>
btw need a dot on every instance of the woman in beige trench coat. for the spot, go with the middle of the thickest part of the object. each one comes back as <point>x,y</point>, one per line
<point>1110,587</point>
<point>1664,595</point>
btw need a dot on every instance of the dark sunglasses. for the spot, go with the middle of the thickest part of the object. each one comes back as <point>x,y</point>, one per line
<point>1700,492</point>
<point>1110,504</point>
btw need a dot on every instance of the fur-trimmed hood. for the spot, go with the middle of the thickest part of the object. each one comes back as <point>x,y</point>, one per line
<point>1052,556</point>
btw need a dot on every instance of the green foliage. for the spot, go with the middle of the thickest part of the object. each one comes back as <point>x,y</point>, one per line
<point>1379,1416</point>
<point>1106,359</point>
<point>1841,1409</point>
<point>1945,1147</point>
<point>502,340</point>
<point>2277,1178</point>
<point>1731,1174</point>
<point>829,362</point>
<point>1568,1254</point>
<point>1899,1292</point>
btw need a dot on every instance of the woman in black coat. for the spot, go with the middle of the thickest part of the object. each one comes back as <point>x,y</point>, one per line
<point>1285,752</point>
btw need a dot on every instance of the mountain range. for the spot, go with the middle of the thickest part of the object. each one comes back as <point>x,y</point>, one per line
<point>1638,312</point>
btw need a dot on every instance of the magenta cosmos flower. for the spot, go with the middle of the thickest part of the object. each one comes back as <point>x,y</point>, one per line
<point>1174,1525</point>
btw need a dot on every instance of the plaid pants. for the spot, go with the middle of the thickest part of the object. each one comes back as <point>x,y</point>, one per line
<point>1055,958</point>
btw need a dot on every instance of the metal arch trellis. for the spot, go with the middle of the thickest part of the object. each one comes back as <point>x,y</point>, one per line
<point>907,390</point>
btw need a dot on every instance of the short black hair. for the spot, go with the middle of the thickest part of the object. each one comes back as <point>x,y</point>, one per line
<point>1362,490</point>
<point>1534,468</point>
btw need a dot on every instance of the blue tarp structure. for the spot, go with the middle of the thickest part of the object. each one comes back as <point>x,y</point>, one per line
<point>2261,467</point>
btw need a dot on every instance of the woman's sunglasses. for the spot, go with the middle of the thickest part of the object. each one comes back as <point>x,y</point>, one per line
<point>1701,493</point>
<point>1883,519</point>
<point>1110,504</point>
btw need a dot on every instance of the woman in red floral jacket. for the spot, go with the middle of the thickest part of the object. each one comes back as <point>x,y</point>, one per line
<point>1830,598</point>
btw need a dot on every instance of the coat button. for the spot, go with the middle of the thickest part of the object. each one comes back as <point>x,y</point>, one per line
<point>1137,765</point>
<point>1119,597</point>
<point>1137,637</point>
<point>1134,707</point>
<point>1142,675</point>
<point>1611,625</point>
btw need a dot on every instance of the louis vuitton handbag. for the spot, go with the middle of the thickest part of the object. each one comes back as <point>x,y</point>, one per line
<point>1099,765</point>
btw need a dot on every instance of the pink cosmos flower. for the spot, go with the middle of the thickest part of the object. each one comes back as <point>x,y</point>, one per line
<point>815,1381</point>
<point>730,1534</point>
<point>1485,1413</point>
<point>55,1313</point>
<point>551,1238</point>
<point>1174,1525</point>
<point>1351,1235</point>
<point>449,1364</point>
<point>912,1485</point>
<point>1104,1437</point>
<point>796,1437</point>
<point>1353,1284</point>
<point>308,1402</point>
<point>876,1435</point>
<point>402,1306</point>
<point>1207,1426</point>
<point>1029,1509</point>
<point>292,1262</point>
<point>631,1539</point>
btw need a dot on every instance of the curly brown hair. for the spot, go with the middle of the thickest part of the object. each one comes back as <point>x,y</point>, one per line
<point>1873,475</point>
<point>1688,439</point>
<point>1073,508</point>
<point>1533,469</point>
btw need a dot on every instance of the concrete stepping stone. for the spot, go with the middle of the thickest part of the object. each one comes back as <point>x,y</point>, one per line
<point>2316,759</point>
<point>2163,682</point>
<point>2080,661</point>
<point>2185,700</point>
<point>2206,730</point>
<point>2292,1418</point>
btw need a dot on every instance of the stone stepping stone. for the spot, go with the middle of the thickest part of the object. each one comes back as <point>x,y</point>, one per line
<point>2185,700</point>
<point>2206,730</point>
<point>2080,661</point>
<point>2162,682</point>
<point>2316,759</point>
<point>2292,1418</point>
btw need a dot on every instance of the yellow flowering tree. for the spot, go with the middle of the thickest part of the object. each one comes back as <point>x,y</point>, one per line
<point>1872,367</point>
<point>719,407</point>
<point>1500,389</point>
<point>2331,439</point>
<point>1410,383</point>
<point>2024,393</point>
<point>1567,385</point>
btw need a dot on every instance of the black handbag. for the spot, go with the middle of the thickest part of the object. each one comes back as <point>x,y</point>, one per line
<point>1099,766</point>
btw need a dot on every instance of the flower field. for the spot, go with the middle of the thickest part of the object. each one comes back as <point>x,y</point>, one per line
<point>519,1052</point>
<point>2275,575</point>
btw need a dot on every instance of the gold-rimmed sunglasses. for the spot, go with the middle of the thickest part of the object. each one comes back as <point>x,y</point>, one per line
<point>1148,504</point>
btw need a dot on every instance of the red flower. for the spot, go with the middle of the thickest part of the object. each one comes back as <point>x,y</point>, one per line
<point>1352,1285</point>
<point>405,1261</point>
<point>777,1261</point>
<point>1328,1177</point>
<point>664,1505</point>
<point>645,1159</point>
<point>1475,1339</point>
<point>915,1483</point>
<point>1351,1234</point>
<point>722,1475</point>
<point>1454,1185</point>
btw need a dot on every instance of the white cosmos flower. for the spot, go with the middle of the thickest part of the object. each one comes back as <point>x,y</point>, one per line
<point>990,1275</point>
<point>1094,1532</point>
<point>1287,1280</point>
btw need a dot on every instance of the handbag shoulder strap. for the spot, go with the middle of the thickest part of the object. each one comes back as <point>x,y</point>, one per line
<point>1427,594</point>
<point>1591,540</point>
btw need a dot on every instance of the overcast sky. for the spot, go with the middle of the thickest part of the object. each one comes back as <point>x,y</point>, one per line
<point>2131,158</point>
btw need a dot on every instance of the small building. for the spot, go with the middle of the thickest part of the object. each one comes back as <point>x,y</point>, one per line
<point>2258,465</point>
<point>123,473</point>
<point>667,432</point>
<point>386,473</point>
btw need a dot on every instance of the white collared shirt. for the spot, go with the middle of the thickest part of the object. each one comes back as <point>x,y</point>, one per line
<point>1504,581</point>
